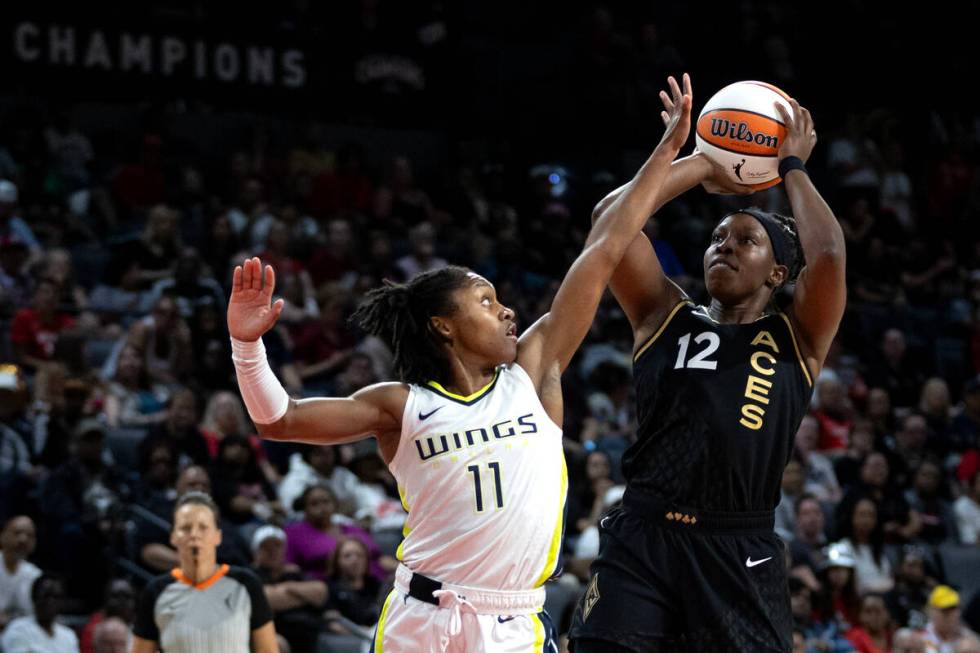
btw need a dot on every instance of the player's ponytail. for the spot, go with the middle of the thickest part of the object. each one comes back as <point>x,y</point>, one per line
<point>400,314</point>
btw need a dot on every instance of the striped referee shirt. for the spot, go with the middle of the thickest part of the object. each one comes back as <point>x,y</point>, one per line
<point>216,615</point>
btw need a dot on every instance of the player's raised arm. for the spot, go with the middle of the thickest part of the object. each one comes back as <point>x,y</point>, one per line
<point>555,337</point>
<point>821,293</point>
<point>373,410</point>
<point>639,284</point>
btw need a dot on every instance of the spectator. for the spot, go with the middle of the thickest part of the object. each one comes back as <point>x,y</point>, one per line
<point>819,635</point>
<point>190,286</point>
<point>794,476</point>
<point>838,601</point>
<point>908,448</point>
<point>317,464</point>
<point>224,415</point>
<point>873,632</point>
<point>241,490</point>
<point>310,543</point>
<point>907,600</point>
<point>833,414</point>
<point>821,481</point>
<point>296,601</point>
<point>847,466</point>
<point>151,257</point>
<point>180,430</point>
<point>588,504</point>
<point>12,227</point>
<point>201,605</point>
<point>17,575</point>
<point>112,636</point>
<point>354,592</point>
<point>900,523</point>
<point>926,498</point>
<point>132,399</point>
<point>936,408</point>
<point>35,331</point>
<point>81,504</point>
<point>164,339</point>
<point>944,627</point>
<point>806,547</point>
<point>967,510</point>
<point>907,640</point>
<point>964,432</point>
<point>40,632</point>
<point>895,371</point>
<point>422,258</point>
<point>880,413</point>
<point>119,610</point>
<point>323,347</point>
<point>862,531</point>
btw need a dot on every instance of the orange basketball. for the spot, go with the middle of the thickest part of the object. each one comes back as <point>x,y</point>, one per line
<point>740,130</point>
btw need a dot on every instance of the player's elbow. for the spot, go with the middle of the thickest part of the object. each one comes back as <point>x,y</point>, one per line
<point>279,429</point>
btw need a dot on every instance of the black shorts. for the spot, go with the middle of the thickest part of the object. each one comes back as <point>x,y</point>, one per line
<point>669,581</point>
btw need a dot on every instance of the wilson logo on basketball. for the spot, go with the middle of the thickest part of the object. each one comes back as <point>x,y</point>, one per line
<point>742,132</point>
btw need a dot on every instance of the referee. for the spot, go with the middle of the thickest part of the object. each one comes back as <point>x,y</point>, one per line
<point>203,606</point>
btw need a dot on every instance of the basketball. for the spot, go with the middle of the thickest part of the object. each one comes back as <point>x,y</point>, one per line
<point>740,130</point>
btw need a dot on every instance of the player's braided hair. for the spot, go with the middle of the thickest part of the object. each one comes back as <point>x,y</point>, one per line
<point>400,314</point>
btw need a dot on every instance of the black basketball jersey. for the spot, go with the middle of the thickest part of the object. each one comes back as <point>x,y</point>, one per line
<point>718,406</point>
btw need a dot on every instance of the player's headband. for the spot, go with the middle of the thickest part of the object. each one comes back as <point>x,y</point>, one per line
<point>783,248</point>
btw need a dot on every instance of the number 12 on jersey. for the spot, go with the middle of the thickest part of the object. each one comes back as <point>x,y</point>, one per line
<point>478,485</point>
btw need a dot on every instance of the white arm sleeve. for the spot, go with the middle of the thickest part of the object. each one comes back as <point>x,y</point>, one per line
<point>265,398</point>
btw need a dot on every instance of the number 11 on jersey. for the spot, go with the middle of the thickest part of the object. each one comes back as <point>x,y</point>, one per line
<point>478,486</point>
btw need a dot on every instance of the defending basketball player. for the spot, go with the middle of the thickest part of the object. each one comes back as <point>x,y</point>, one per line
<point>471,432</point>
<point>690,562</point>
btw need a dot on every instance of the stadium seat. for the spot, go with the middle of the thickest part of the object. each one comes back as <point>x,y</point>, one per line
<point>961,566</point>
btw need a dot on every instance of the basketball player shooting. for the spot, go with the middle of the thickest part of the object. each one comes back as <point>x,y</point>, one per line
<point>471,431</point>
<point>690,561</point>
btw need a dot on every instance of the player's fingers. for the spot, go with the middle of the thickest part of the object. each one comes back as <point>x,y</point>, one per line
<point>668,103</point>
<point>270,280</point>
<point>256,273</point>
<point>665,117</point>
<point>687,86</point>
<point>675,90</point>
<point>784,114</point>
<point>236,279</point>
<point>247,274</point>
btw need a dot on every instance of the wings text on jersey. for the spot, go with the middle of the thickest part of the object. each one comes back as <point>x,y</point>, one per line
<point>433,446</point>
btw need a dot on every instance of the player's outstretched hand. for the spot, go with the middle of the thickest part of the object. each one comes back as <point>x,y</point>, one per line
<point>250,309</point>
<point>677,113</point>
<point>801,136</point>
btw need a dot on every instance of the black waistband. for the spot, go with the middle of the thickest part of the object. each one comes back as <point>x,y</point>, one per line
<point>421,588</point>
<point>661,512</point>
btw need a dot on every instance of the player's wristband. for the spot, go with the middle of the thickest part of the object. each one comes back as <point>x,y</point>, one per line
<point>792,163</point>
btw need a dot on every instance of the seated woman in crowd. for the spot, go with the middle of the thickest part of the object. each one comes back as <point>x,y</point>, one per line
<point>354,592</point>
<point>311,542</point>
<point>132,399</point>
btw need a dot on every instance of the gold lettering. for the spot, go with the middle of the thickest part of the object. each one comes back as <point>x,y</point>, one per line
<point>757,389</point>
<point>768,371</point>
<point>766,339</point>
<point>752,416</point>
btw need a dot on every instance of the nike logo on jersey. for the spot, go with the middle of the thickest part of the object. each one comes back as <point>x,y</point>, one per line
<point>749,562</point>
<point>602,522</point>
<point>425,416</point>
<point>503,620</point>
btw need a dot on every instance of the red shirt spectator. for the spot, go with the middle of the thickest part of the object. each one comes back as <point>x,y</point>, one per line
<point>34,331</point>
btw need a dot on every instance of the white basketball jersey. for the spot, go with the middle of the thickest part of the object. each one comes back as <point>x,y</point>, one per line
<point>483,479</point>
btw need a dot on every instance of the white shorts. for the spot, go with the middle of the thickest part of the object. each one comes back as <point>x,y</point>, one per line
<point>465,621</point>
